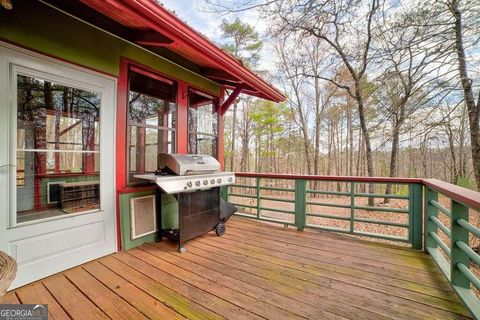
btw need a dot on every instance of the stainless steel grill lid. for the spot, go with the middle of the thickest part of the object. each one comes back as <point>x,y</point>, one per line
<point>188,164</point>
<point>188,173</point>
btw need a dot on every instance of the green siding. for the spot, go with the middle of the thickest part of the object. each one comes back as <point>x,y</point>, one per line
<point>43,29</point>
<point>169,212</point>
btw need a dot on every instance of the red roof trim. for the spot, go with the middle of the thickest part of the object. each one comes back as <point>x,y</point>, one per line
<point>183,35</point>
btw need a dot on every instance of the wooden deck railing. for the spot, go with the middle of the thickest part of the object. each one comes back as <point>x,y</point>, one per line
<point>455,262</point>
<point>295,199</point>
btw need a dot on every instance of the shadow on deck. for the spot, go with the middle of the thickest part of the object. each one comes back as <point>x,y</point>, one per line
<point>255,271</point>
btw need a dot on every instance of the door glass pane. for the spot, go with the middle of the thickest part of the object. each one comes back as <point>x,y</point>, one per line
<point>58,149</point>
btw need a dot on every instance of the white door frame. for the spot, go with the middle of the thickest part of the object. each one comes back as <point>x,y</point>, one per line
<point>48,246</point>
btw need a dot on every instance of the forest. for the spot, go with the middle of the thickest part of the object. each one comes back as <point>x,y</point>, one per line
<point>374,88</point>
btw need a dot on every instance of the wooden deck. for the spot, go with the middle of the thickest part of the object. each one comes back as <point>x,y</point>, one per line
<point>255,271</point>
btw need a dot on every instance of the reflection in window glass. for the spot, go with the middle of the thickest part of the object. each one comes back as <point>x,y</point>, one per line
<point>57,149</point>
<point>202,124</point>
<point>152,112</point>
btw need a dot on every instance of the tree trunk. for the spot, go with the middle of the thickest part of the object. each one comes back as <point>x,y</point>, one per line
<point>472,106</point>
<point>366,139</point>
<point>393,158</point>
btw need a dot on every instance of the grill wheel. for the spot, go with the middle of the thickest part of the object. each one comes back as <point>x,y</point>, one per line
<point>220,229</point>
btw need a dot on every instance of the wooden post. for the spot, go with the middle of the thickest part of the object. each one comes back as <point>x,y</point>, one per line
<point>457,278</point>
<point>300,203</point>
<point>224,192</point>
<point>352,207</point>
<point>257,186</point>
<point>415,215</point>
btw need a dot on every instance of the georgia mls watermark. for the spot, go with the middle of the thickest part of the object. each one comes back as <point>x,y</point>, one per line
<point>23,312</point>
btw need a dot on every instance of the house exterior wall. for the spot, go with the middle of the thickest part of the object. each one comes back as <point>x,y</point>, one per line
<point>37,27</point>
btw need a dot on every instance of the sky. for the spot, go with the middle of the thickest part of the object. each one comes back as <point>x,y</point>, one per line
<point>194,13</point>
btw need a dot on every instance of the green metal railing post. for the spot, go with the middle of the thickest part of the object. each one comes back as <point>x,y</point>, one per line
<point>430,226</point>
<point>224,192</point>
<point>458,211</point>
<point>300,204</point>
<point>352,206</point>
<point>257,186</point>
<point>415,197</point>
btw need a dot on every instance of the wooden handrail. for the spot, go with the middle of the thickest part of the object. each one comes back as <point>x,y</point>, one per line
<point>328,178</point>
<point>466,196</point>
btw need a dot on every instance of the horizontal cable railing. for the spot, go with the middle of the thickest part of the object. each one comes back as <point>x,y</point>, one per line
<point>450,224</point>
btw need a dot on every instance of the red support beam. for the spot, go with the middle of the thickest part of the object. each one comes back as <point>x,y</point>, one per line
<point>217,74</point>
<point>220,156</point>
<point>151,38</point>
<point>182,118</point>
<point>230,100</point>
<point>121,140</point>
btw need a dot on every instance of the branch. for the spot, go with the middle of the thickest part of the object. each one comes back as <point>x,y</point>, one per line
<point>341,86</point>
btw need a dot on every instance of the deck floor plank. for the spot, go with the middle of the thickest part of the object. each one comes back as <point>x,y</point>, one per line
<point>72,300</point>
<point>341,290</point>
<point>256,271</point>
<point>38,294</point>
<point>412,290</point>
<point>217,298</point>
<point>388,250</point>
<point>145,303</point>
<point>377,267</point>
<point>187,307</point>
<point>9,298</point>
<point>288,298</point>
<point>345,249</point>
<point>110,303</point>
<point>262,300</point>
<point>296,288</point>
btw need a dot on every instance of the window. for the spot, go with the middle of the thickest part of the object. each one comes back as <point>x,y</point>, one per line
<point>57,140</point>
<point>202,124</point>
<point>152,113</point>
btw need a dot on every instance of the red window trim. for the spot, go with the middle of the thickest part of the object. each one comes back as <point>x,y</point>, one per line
<point>181,133</point>
<point>154,74</point>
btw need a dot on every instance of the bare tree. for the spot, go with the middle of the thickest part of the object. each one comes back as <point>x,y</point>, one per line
<point>473,106</point>
<point>349,39</point>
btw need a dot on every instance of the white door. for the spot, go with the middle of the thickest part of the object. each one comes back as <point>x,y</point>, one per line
<point>57,196</point>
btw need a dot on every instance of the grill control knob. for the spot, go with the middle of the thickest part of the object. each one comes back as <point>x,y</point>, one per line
<point>230,179</point>
<point>219,180</point>
<point>197,183</point>
<point>205,182</point>
<point>189,184</point>
<point>212,181</point>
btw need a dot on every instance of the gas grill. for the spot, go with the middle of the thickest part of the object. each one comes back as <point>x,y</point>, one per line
<point>195,181</point>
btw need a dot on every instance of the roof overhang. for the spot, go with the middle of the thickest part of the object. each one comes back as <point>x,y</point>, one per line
<point>155,28</point>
